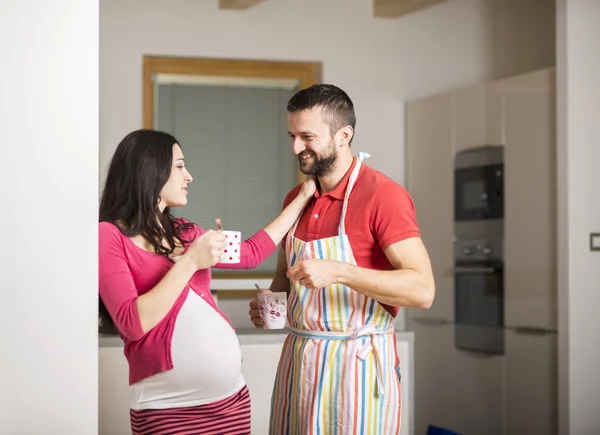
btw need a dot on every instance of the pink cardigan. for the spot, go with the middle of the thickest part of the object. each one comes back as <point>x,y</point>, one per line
<point>126,271</point>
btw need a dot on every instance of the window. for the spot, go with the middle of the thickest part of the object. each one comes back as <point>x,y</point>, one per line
<point>233,132</point>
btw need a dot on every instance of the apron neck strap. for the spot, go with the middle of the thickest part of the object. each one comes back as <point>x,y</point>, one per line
<point>362,156</point>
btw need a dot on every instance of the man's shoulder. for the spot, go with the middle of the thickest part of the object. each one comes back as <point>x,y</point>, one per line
<point>372,181</point>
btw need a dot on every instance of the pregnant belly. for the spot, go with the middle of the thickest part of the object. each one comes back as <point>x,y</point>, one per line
<point>206,359</point>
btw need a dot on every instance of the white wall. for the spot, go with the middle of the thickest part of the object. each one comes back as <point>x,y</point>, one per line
<point>578,69</point>
<point>49,185</point>
<point>379,62</point>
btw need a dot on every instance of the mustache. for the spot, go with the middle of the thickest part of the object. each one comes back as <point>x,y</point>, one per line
<point>306,154</point>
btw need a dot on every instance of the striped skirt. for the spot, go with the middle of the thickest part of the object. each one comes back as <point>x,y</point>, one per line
<point>230,416</point>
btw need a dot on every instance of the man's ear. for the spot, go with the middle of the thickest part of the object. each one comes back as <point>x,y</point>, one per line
<point>346,134</point>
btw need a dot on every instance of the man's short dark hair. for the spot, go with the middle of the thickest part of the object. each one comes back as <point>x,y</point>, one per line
<point>338,109</point>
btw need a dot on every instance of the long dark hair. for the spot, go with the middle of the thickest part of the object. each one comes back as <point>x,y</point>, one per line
<point>138,171</point>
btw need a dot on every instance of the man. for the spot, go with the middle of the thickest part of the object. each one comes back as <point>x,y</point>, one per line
<point>350,261</point>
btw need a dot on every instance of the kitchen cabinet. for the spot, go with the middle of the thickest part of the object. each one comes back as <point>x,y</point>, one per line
<point>430,180</point>
<point>435,379</point>
<point>113,391</point>
<point>495,113</point>
<point>479,401</point>
<point>530,202</point>
<point>259,365</point>
<point>531,370</point>
<point>470,117</point>
<point>479,116</point>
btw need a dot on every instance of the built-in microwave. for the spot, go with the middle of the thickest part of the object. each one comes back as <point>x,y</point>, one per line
<point>479,184</point>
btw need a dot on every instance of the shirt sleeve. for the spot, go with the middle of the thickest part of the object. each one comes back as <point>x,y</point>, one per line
<point>393,216</point>
<point>116,286</point>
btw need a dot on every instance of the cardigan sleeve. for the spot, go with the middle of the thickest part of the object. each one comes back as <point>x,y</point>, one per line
<point>253,252</point>
<point>116,285</point>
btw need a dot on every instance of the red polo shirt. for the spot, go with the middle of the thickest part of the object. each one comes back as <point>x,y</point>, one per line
<point>380,213</point>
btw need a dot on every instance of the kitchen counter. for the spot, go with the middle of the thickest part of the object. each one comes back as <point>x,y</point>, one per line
<point>261,350</point>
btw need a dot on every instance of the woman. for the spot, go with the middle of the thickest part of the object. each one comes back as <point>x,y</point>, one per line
<point>184,357</point>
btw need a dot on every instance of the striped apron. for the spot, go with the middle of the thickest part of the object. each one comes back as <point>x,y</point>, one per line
<point>338,370</point>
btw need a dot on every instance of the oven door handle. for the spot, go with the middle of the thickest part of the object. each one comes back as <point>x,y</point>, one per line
<point>475,270</point>
<point>431,322</point>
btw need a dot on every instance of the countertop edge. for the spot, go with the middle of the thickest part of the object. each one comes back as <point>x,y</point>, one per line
<point>245,336</point>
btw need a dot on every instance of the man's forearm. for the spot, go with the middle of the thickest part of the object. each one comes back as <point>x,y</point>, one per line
<point>280,284</point>
<point>403,287</point>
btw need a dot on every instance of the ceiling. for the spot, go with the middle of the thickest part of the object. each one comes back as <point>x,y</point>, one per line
<point>381,8</point>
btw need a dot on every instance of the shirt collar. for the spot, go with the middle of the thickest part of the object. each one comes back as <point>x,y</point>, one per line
<point>340,190</point>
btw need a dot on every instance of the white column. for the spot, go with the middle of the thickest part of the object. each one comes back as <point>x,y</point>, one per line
<point>48,217</point>
<point>578,117</point>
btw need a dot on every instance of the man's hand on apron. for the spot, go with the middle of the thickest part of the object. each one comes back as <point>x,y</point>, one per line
<point>314,274</point>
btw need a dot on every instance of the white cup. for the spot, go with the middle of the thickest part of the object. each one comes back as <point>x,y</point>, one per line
<point>273,309</point>
<point>232,250</point>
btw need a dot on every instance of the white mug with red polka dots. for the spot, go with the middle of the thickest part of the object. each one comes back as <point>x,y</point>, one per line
<point>231,254</point>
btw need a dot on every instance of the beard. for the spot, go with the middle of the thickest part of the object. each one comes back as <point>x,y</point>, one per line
<point>319,166</point>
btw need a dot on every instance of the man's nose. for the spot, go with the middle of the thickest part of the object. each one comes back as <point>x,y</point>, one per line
<point>298,146</point>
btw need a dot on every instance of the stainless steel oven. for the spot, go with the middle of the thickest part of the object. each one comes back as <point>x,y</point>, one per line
<point>479,296</point>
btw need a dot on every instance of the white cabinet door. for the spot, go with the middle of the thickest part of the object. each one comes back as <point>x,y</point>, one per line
<point>405,350</point>
<point>479,399</point>
<point>113,392</point>
<point>429,171</point>
<point>259,366</point>
<point>434,386</point>
<point>531,383</point>
<point>494,112</point>
<point>479,115</point>
<point>530,205</point>
<point>470,117</point>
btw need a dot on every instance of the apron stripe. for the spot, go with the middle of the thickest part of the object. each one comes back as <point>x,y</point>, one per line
<point>363,402</point>
<point>291,377</point>
<point>386,378</point>
<point>356,402</point>
<point>315,390</point>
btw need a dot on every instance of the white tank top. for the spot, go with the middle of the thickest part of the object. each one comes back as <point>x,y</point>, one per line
<point>207,362</point>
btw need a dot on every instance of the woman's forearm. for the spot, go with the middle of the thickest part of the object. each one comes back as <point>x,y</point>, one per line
<point>282,223</point>
<point>258,247</point>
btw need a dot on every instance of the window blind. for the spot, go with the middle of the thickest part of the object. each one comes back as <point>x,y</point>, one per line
<point>237,149</point>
